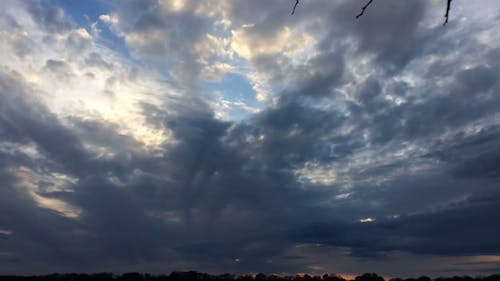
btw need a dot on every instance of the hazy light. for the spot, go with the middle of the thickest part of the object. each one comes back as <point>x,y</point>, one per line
<point>366,220</point>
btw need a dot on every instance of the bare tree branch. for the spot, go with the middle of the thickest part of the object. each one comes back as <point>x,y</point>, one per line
<point>364,8</point>
<point>295,6</point>
<point>446,16</point>
<point>448,7</point>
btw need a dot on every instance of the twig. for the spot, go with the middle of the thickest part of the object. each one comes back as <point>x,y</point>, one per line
<point>295,6</point>
<point>364,8</point>
<point>446,16</point>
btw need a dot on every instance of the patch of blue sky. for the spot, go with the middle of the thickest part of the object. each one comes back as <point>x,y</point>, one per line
<point>114,42</point>
<point>84,13</point>
<point>234,86</point>
<point>235,89</point>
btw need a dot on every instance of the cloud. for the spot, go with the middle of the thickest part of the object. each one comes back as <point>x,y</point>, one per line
<point>79,40</point>
<point>52,19</point>
<point>249,44</point>
<point>389,30</point>
<point>60,68</point>
<point>363,139</point>
<point>441,232</point>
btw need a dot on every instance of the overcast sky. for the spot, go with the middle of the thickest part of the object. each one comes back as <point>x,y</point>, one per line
<point>231,136</point>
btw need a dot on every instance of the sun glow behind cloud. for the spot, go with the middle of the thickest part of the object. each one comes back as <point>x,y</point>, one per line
<point>97,85</point>
<point>317,174</point>
<point>32,181</point>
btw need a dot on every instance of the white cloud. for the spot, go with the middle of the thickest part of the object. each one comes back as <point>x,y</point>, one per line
<point>287,42</point>
<point>216,71</point>
<point>5,232</point>
<point>316,173</point>
<point>30,181</point>
<point>59,72</point>
<point>12,148</point>
<point>109,18</point>
<point>79,40</point>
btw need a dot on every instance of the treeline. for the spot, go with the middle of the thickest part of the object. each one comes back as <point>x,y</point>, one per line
<point>198,276</point>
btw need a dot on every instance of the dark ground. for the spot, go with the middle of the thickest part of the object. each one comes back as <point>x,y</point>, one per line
<point>192,275</point>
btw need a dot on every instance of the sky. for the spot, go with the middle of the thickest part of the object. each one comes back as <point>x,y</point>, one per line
<point>230,136</point>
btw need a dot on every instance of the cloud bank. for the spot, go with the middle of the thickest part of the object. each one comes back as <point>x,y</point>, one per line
<point>231,136</point>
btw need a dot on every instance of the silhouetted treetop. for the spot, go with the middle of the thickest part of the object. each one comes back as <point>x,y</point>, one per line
<point>199,276</point>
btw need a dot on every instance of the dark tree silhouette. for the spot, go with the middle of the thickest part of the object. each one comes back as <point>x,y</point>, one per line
<point>363,9</point>
<point>369,277</point>
<point>199,276</point>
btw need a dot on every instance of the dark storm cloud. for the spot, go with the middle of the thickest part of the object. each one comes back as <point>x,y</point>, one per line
<point>470,98</point>
<point>329,71</point>
<point>388,29</point>
<point>462,208</point>
<point>112,223</point>
<point>289,131</point>
<point>473,156</point>
<point>208,185</point>
<point>24,119</point>
<point>212,189</point>
<point>464,103</point>
<point>445,231</point>
<point>61,240</point>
